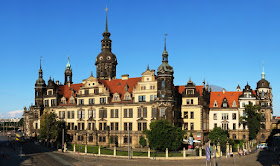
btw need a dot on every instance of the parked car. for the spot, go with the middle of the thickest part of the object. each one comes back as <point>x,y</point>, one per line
<point>262,146</point>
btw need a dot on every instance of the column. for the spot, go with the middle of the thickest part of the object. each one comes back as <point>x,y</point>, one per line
<point>227,149</point>
<point>74,148</point>
<point>166,153</point>
<point>85,149</point>
<point>149,153</point>
<point>200,151</point>
<point>184,152</point>
<point>230,148</point>
<point>99,151</point>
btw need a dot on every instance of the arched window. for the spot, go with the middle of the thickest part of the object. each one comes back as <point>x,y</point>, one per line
<point>215,104</point>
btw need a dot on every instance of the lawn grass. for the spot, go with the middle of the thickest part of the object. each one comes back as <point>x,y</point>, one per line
<point>104,150</point>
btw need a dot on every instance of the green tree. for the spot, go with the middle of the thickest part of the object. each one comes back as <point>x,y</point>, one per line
<point>20,122</point>
<point>50,128</point>
<point>253,119</point>
<point>142,141</point>
<point>164,135</point>
<point>218,134</point>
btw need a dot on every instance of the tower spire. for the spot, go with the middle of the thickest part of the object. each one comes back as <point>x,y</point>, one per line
<point>106,29</point>
<point>263,73</point>
<point>40,70</point>
<point>40,62</point>
<point>165,41</point>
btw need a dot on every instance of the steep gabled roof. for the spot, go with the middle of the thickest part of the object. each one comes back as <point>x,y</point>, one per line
<point>118,85</point>
<point>199,89</point>
<point>219,96</point>
<point>65,90</point>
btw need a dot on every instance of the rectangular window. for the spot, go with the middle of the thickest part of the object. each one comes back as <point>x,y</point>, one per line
<point>68,114</point>
<point>192,126</point>
<point>191,101</point>
<point>125,139</point>
<point>81,102</point>
<point>139,113</point>
<point>224,116</point>
<point>83,126</point>
<point>142,98</point>
<point>72,127</point>
<point>83,114</point>
<point>86,92</point>
<point>112,113</point>
<point>130,113</point>
<point>152,97</point>
<point>46,103</point>
<point>130,126</point>
<point>96,91</point>
<point>125,113</point>
<point>233,116</point>
<point>215,116</point>
<point>89,113</point>
<point>79,114</point>
<point>117,126</point>
<point>102,113</point>
<point>188,101</point>
<point>139,126</point>
<point>105,126</point>
<point>79,126</point>
<point>144,126</point>
<point>73,114</point>
<point>100,126</point>
<point>91,101</point>
<point>192,115</point>
<point>93,126</point>
<point>125,127</point>
<point>154,113</point>
<point>103,100</point>
<point>93,114</point>
<point>89,126</point>
<point>215,125</point>
<point>112,126</point>
<point>116,113</point>
<point>53,102</point>
<point>186,114</point>
<point>186,127</point>
<point>162,112</point>
<point>234,126</point>
<point>144,112</point>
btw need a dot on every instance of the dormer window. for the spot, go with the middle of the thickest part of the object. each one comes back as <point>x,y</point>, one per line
<point>63,101</point>
<point>233,103</point>
<point>215,104</point>
<point>86,92</point>
<point>189,92</point>
<point>96,90</point>
<point>116,98</point>
<point>225,103</point>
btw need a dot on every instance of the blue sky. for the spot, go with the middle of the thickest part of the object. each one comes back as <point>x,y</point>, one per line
<point>224,42</point>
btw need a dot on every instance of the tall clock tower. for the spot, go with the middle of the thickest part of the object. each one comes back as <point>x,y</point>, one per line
<point>165,91</point>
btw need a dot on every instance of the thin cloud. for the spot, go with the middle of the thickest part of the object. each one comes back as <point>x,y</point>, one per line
<point>13,114</point>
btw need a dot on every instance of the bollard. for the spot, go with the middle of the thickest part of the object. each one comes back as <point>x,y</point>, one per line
<point>200,151</point>
<point>238,148</point>
<point>184,152</point>
<point>74,148</point>
<point>99,151</point>
<point>65,147</point>
<point>149,153</point>
<point>85,149</point>
<point>166,153</point>
<point>227,149</point>
<point>230,148</point>
<point>115,151</point>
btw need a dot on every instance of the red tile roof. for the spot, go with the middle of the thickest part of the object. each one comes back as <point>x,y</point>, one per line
<point>118,85</point>
<point>199,89</point>
<point>66,91</point>
<point>219,96</point>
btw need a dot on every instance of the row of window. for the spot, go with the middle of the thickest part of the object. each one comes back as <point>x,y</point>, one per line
<point>224,116</point>
<point>127,113</point>
<point>144,87</point>
<point>143,98</point>
<point>186,115</point>
<point>186,126</point>
<point>92,101</point>
<point>103,139</point>
<point>103,126</point>
<point>225,126</point>
<point>53,102</point>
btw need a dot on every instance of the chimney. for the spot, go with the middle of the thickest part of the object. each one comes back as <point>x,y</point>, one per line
<point>69,84</point>
<point>224,91</point>
<point>125,77</point>
<point>57,82</point>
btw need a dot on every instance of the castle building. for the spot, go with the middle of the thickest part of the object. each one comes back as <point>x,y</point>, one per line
<point>104,110</point>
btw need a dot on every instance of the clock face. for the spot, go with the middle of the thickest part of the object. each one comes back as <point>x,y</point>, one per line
<point>101,58</point>
<point>108,57</point>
